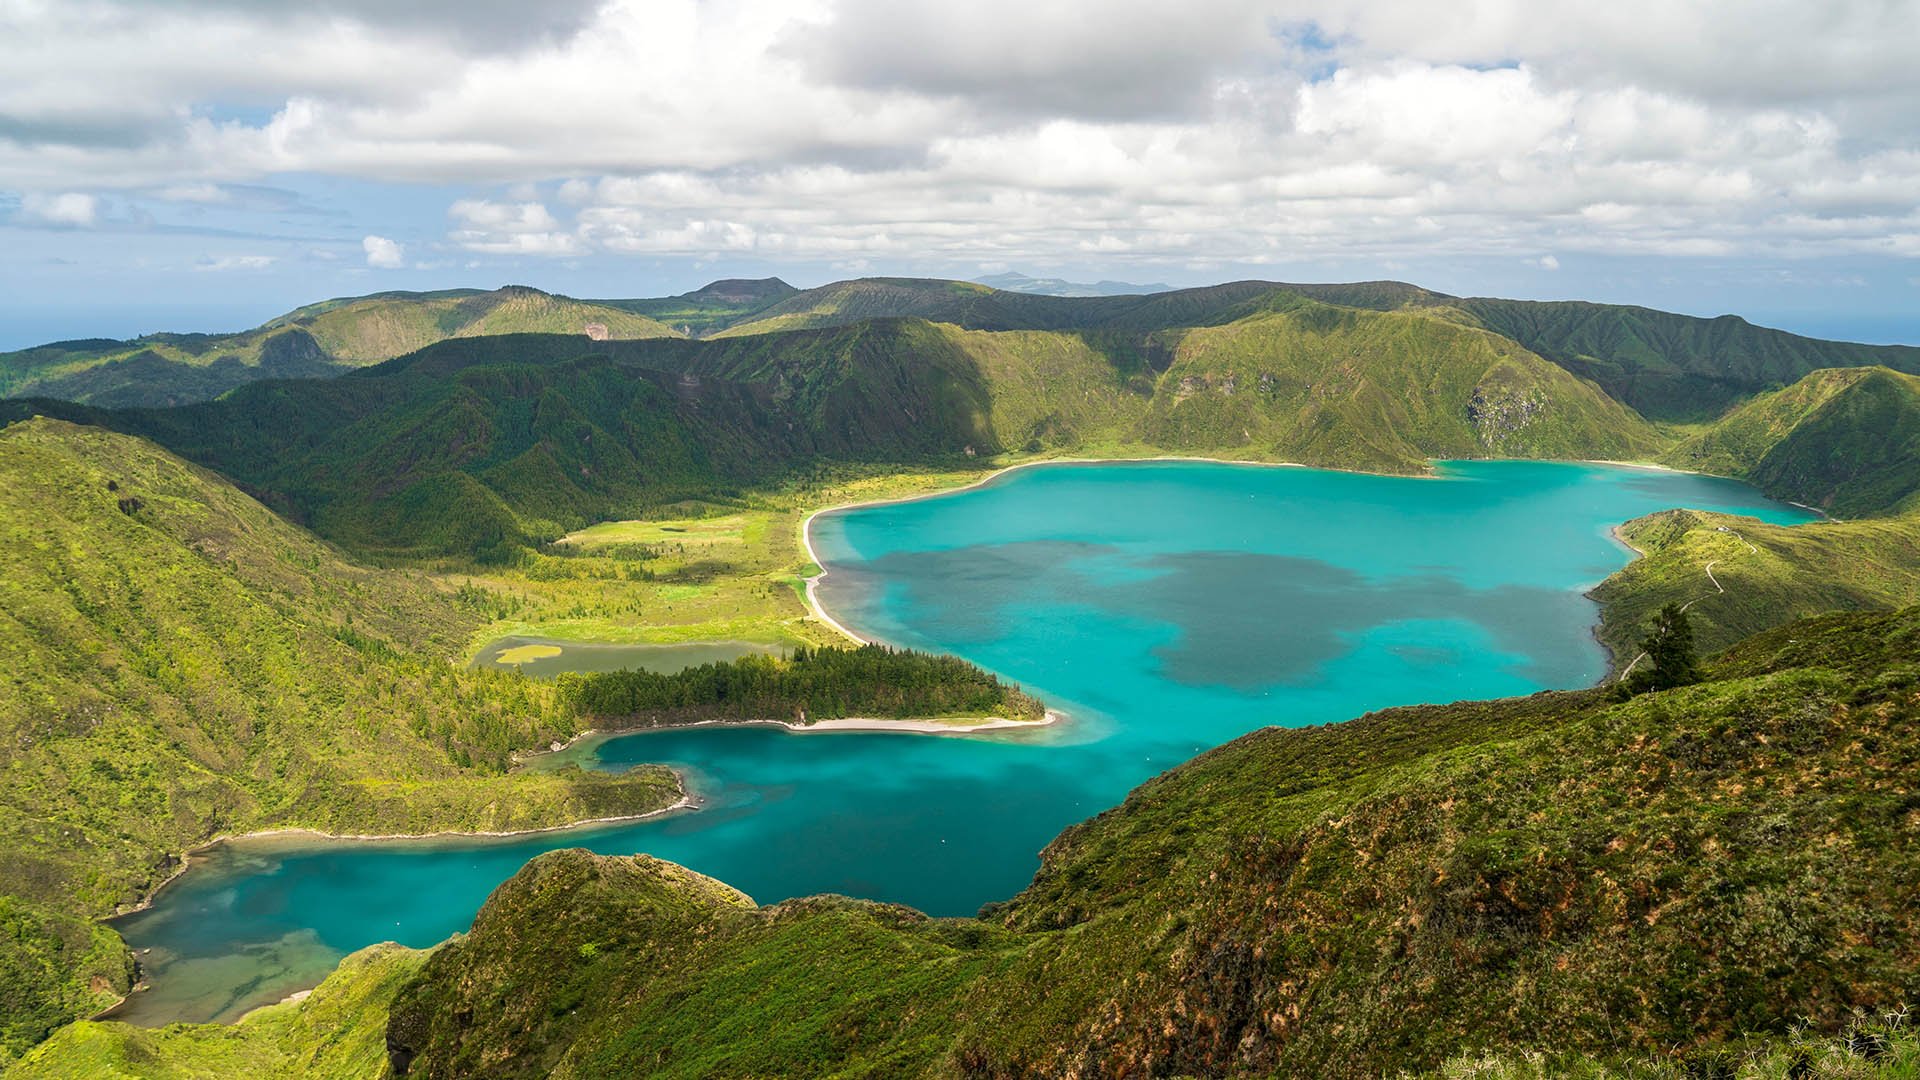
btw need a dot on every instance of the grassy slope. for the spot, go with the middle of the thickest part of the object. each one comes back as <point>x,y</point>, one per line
<point>1668,366</point>
<point>1293,379</point>
<point>1560,872</point>
<point>335,1034</point>
<point>313,342</point>
<point>1360,389</point>
<point>973,306</point>
<point>1787,573</point>
<point>711,308</point>
<point>1846,440</point>
<point>183,664</point>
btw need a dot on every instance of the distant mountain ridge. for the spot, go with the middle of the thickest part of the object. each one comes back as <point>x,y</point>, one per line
<point>316,341</point>
<point>1668,367</point>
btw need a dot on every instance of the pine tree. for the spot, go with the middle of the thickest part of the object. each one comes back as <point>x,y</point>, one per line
<point>1670,658</point>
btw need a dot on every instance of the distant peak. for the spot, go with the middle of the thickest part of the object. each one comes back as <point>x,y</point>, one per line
<point>741,290</point>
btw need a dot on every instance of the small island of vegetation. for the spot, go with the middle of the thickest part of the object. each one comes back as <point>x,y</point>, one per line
<point>813,684</point>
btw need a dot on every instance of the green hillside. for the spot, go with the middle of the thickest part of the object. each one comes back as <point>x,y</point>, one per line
<point>336,1033</point>
<point>316,341</point>
<point>973,306</point>
<point>370,329</point>
<point>1386,391</point>
<point>1290,378</point>
<point>712,307</point>
<point>1666,366</point>
<point>1673,367</point>
<point>481,446</point>
<point>1762,575</point>
<point>183,664</point>
<point>1560,872</point>
<point>1846,440</point>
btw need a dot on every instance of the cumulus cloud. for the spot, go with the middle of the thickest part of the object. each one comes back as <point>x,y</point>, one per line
<point>1247,131</point>
<point>383,254</point>
<point>69,209</point>
<point>524,228</point>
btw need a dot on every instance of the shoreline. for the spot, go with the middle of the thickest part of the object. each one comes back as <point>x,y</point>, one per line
<point>963,726</point>
<point>819,611</point>
<point>686,801</point>
<point>956,726</point>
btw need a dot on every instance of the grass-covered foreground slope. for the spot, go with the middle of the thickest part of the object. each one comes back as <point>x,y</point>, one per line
<point>316,341</point>
<point>1846,440</point>
<point>1561,873</point>
<point>336,1033</point>
<point>180,664</point>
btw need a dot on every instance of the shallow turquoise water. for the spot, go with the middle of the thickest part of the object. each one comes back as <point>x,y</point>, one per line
<point>1168,607</point>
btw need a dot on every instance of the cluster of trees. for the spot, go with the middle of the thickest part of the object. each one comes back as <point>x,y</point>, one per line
<point>812,684</point>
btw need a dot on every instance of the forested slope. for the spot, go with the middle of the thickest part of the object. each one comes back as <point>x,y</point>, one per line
<point>182,664</point>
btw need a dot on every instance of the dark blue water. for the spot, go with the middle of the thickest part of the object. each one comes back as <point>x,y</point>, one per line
<point>1167,607</point>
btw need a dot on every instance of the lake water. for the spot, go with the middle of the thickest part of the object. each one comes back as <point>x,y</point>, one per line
<point>1167,607</point>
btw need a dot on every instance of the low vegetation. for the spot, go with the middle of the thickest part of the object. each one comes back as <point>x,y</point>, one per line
<point>1761,575</point>
<point>826,683</point>
<point>1654,877</point>
<point>1845,440</point>
<point>1882,1047</point>
<point>183,664</point>
<point>316,341</point>
<point>336,1033</point>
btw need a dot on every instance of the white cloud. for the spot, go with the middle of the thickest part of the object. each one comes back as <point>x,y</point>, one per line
<point>218,263</point>
<point>1005,130</point>
<point>71,209</point>
<point>383,254</point>
<point>525,228</point>
<point>1546,262</point>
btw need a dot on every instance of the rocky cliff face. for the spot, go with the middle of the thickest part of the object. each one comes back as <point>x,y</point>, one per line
<point>1500,413</point>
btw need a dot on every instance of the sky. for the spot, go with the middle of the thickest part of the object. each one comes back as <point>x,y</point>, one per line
<point>206,164</point>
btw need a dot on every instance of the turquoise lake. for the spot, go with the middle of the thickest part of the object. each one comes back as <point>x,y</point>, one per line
<point>1166,607</point>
